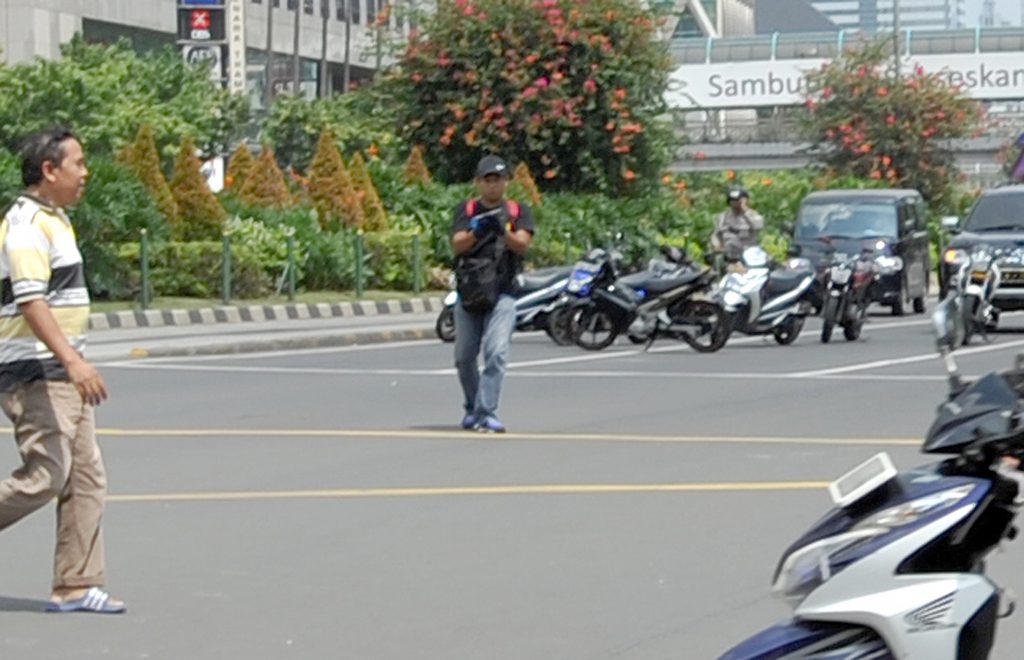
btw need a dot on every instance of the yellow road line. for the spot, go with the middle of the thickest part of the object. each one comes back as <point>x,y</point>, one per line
<point>540,489</point>
<point>401,434</point>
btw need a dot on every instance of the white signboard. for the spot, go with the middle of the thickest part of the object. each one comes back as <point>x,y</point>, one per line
<point>206,56</point>
<point>987,76</point>
<point>236,46</point>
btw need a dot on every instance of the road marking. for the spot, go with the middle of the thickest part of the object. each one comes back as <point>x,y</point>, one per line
<point>518,373</point>
<point>879,364</point>
<point>353,348</point>
<point>461,491</point>
<point>458,434</point>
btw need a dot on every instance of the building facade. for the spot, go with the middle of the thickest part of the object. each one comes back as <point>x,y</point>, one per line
<point>37,28</point>
<point>873,15</point>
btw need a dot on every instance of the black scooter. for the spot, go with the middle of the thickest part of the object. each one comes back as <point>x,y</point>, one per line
<point>644,305</point>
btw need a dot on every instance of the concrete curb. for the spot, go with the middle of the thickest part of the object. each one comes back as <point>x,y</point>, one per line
<point>353,338</point>
<point>155,318</point>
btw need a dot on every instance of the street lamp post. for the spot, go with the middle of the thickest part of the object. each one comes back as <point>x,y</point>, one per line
<point>268,92</point>
<point>896,36</point>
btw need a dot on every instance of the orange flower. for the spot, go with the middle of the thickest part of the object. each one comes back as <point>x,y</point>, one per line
<point>629,175</point>
<point>550,174</point>
<point>681,186</point>
<point>620,94</point>
<point>876,175</point>
<point>667,179</point>
<point>372,150</point>
<point>766,182</point>
<point>730,174</point>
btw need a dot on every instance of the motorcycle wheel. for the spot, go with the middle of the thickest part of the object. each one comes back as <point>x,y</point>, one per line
<point>593,329</point>
<point>851,330</point>
<point>709,318</point>
<point>559,325</point>
<point>445,326</point>
<point>787,333</point>
<point>829,316</point>
<point>968,311</point>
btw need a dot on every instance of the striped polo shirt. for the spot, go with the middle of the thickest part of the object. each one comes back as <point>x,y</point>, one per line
<point>39,258</point>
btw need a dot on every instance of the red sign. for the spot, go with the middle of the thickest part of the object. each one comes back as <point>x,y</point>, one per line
<point>200,19</point>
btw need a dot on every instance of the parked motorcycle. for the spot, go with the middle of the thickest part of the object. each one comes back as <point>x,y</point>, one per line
<point>756,299</point>
<point>897,568</point>
<point>640,305</point>
<point>537,294</point>
<point>847,295</point>
<point>973,286</point>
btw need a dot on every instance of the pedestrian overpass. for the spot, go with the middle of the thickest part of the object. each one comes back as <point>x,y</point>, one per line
<point>732,93</point>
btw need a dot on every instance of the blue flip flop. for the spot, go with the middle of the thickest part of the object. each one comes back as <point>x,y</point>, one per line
<point>94,600</point>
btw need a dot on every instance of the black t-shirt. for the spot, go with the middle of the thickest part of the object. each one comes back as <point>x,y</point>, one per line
<point>511,263</point>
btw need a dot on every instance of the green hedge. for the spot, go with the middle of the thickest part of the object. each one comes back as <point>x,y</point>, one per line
<point>194,269</point>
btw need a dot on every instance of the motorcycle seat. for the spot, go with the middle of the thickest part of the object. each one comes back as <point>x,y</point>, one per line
<point>781,281</point>
<point>663,284</point>
<point>543,278</point>
<point>657,284</point>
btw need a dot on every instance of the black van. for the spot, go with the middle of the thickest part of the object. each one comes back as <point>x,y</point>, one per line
<point>889,223</point>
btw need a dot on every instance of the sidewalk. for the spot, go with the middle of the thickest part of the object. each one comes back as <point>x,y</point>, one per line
<point>226,330</point>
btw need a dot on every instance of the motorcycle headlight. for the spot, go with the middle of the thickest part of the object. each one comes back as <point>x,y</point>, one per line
<point>840,275</point>
<point>807,568</point>
<point>889,264</point>
<point>954,256</point>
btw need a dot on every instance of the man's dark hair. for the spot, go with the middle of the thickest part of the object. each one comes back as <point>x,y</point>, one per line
<point>39,148</point>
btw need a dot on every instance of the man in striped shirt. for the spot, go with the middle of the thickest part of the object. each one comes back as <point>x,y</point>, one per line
<point>47,388</point>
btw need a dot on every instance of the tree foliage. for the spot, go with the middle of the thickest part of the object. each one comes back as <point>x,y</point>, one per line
<point>142,159</point>
<point>416,171</point>
<point>359,120</point>
<point>572,89</point>
<point>330,188</point>
<point>523,183</point>
<point>865,122</point>
<point>265,186</point>
<point>200,215</point>
<point>106,92</point>
<point>374,216</point>
<point>239,165</point>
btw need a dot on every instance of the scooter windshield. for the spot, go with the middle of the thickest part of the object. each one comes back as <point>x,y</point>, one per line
<point>980,411</point>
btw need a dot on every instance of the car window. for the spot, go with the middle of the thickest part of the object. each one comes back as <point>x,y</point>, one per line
<point>847,220</point>
<point>997,212</point>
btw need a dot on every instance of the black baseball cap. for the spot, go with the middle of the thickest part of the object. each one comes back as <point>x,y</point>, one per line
<point>738,193</point>
<point>491,165</point>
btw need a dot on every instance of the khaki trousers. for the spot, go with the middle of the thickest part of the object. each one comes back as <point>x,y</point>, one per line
<point>56,437</point>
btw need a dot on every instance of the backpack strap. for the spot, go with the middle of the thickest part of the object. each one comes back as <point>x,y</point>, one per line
<point>514,210</point>
<point>471,208</point>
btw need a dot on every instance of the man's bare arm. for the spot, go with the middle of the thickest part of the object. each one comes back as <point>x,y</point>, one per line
<point>518,241</point>
<point>83,375</point>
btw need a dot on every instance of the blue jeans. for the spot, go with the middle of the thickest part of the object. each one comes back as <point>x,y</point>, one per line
<point>493,331</point>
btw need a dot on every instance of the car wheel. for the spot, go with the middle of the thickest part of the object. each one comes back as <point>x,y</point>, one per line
<point>919,305</point>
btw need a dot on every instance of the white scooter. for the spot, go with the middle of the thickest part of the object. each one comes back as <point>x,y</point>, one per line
<point>759,300</point>
<point>897,568</point>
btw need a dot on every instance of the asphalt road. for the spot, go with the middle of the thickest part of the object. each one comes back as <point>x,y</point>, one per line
<point>324,504</point>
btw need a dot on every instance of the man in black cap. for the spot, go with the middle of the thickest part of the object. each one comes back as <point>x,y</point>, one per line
<point>738,227</point>
<point>490,235</point>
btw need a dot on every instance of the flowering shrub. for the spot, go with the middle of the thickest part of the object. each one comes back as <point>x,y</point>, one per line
<point>866,122</point>
<point>571,89</point>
